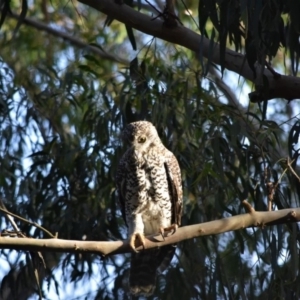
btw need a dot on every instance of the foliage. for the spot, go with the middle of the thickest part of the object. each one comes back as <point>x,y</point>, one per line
<point>61,113</point>
<point>263,27</point>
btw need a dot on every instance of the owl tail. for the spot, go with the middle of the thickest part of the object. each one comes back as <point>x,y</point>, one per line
<point>144,266</point>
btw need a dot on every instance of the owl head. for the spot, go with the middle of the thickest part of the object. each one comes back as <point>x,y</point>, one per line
<point>141,135</point>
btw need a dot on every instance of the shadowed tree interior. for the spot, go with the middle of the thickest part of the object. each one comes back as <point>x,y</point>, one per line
<point>73,74</point>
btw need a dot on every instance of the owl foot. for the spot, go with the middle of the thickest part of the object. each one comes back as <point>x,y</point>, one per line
<point>172,228</point>
<point>136,240</point>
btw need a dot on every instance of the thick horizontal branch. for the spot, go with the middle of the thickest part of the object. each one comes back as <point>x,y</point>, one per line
<point>250,219</point>
<point>283,86</point>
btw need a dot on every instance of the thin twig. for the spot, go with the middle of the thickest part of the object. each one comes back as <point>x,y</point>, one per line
<point>10,219</point>
<point>32,254</point>
<point>27,221</point>
<point>291,169</point>
<point>272,186</point>
<point>67,37</point>
<point>153,7</point>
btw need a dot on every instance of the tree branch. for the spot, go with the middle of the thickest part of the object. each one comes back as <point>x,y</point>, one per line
<point>72,40</point>
<point>3,209</point>
<point>283,86</point>
<point>251,219</point>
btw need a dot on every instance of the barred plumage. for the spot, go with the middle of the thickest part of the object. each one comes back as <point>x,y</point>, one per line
<point>150,192</point>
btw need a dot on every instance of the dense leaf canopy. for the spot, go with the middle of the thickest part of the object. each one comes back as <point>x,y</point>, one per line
<point>72,76</point>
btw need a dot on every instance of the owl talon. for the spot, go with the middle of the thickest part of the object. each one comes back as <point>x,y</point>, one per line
<point>172,228</point>
<point>137,240</point>
<point>162,232</point>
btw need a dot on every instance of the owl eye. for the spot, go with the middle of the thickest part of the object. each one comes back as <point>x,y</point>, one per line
<point>141,139</point>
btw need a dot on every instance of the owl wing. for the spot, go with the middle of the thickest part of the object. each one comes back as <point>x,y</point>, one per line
<point>175,188</point>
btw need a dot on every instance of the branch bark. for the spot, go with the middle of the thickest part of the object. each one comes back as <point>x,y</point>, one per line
<point>287,87</point>
<point>251,219</point>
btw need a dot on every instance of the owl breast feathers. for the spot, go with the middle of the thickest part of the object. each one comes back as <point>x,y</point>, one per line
<point>150,193</point>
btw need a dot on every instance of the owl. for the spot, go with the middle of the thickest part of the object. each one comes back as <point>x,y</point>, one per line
<point>150,194</point>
